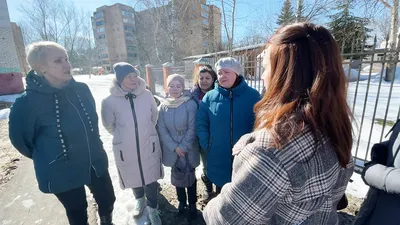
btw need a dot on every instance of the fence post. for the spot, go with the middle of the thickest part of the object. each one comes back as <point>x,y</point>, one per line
<point>166,70</point>
<point>149,79</point>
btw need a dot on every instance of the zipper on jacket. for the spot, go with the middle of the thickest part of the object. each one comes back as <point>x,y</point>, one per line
<point>154,147</point>
<point>231,128</point>
<point>130,96</point>
<point>231,120</point>
<point>87,139</point>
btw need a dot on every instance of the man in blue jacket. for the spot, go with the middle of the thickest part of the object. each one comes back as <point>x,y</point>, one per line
<point>224,115</point>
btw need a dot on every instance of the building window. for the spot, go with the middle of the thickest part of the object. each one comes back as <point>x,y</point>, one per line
<point>100,29</point>
<point>103,48</point>
<point>194,6</point>
<point>131,54</point>
<point>99,23</point>
<point>205,43</point>
<point>105,62</point>
<point>131,48</point>
<point>103,56</point>
<point>126,13</point>
<point>98,15</point>
<point>128,34</point>
<point>101,36</point>
<point>204,7</point>
<point>129,20</point>
<point>204,14</point>
<point>205,21</point>
<point>129,28</point>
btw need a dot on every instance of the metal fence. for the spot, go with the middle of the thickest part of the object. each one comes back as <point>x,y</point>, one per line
<point>374,102</point>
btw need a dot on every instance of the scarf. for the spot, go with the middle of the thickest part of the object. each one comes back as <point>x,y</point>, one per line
<point>175,103</point>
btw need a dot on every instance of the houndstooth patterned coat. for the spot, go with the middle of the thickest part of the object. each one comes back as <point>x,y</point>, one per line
<point>299,184</point>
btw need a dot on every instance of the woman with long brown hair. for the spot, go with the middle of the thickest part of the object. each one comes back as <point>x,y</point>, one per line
<point>294,167</point>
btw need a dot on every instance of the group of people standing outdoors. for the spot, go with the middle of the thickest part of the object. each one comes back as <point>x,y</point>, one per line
<point>280,158</point>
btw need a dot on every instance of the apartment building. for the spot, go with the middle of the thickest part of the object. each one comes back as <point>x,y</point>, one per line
<point>114,33</point>
<point>180,28</point>
<point>203,25</point>
<point>157,34</point>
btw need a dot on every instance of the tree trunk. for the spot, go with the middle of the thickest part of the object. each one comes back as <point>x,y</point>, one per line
<point>299,11</point>
<point>390,67</point>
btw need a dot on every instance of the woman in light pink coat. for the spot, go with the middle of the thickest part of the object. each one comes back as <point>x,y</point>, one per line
<point>130,115</point>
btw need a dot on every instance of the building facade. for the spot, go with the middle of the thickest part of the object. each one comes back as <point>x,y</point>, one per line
<point>114,34</point>
<point>10,71</point>
<point>20,47</point>
<point>159,34</point>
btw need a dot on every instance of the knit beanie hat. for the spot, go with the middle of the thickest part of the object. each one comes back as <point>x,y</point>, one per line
<point>176,77</point>
<point>122,69</point>
<point>229,63</point>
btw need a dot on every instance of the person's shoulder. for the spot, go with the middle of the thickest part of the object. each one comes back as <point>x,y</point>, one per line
<point>192,103</point>
<point>23,100</point>
<point>80,86</point>
<point>252,92</point>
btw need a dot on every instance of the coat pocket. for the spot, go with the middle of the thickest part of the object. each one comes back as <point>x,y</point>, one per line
<point>119,156</point>
<point>155,144</point>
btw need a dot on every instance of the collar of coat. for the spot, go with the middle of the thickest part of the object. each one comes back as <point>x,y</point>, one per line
<point>238,90</point>
<point>116,90</point>
<point>39,84</point>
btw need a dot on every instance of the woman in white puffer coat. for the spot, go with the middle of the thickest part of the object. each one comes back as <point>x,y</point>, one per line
<point>130,115</point>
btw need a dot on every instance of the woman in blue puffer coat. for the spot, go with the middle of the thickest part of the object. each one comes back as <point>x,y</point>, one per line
<point>224,115</point>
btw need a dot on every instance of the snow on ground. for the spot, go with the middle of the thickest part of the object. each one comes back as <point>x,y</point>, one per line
<point>9,98</point>
<point>382,100</point>
<point>4,114</point>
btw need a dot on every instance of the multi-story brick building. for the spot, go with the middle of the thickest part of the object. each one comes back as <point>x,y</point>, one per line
<point>157,34</point>
<point>114,34</point>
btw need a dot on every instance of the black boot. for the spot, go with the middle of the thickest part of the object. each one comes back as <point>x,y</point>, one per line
<point>192,212</point>
<point>207,195</point>
<point>106,220</point>
<point>181,207</point>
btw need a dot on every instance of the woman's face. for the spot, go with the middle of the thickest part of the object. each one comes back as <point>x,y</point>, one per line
<point>267,66</point>
<point>205,81</point>
<point>175,89</point>
<point>130,82</point>
<point>55,67</point>
<point>226,78</point>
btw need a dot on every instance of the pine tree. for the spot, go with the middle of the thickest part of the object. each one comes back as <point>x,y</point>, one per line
<point>287,16</point>
<point>300,11</point>
<point>348,29</point>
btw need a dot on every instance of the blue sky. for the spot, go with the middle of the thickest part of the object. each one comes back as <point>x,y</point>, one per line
<point>249,12</point>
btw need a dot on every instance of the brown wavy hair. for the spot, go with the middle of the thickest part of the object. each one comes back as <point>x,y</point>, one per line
<point>205,69</point>
<point>306,87</point>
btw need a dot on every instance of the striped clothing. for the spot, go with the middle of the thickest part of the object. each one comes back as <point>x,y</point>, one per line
<point>300,184</point>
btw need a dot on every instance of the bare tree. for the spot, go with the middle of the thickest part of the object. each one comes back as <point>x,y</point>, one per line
<point>393,6</point>
<point>311,10</point>
<point>229,21</point>
<point>58,21</point>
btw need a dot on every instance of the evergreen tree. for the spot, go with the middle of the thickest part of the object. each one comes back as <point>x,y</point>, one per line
<point>300,11</point>
<point>287,16</point>
<point>348,29</point>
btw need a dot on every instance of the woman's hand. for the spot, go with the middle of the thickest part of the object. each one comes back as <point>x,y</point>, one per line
<point>179,151</point>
